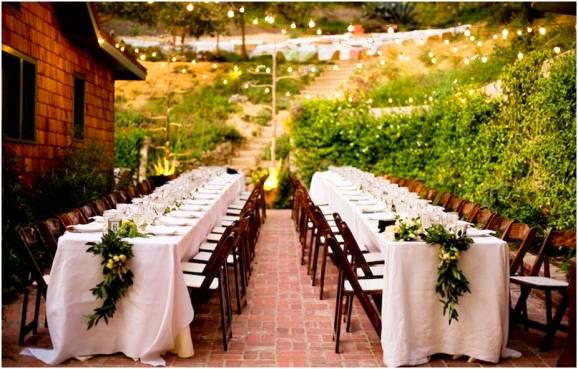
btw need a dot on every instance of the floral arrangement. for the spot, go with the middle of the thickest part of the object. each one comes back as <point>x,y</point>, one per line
<point>451,283</point>
<point>118,278</point>
<point>129,229</point>
<point>407,230</point>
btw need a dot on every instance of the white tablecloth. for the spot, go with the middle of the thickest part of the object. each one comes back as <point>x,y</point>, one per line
<point>413,326</point>
<point>155,314</point>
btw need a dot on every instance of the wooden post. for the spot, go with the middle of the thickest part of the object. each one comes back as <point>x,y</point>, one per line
<point>144,151</point>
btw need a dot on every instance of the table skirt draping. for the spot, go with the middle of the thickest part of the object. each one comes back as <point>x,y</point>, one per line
<point>413,326</point>
<point>154,316</point>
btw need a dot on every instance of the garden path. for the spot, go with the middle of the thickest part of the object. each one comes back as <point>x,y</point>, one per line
<point>331,81</point>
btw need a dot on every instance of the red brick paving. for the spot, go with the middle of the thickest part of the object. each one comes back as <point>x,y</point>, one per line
<point>284,323</point>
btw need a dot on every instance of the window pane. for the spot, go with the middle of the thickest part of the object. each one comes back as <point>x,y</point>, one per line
<point>10,95</point>
<point>78,108</point>
<point>28,100</point>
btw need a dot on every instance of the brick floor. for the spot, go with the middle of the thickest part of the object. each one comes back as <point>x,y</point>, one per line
<point>284,324</point>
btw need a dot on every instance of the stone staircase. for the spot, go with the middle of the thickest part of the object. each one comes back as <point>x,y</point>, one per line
<point>331,81</point>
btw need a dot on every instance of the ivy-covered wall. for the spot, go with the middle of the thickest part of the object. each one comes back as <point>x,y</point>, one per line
<point>514,154</point>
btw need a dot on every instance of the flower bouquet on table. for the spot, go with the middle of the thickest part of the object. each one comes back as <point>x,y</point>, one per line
<point>404,229</point>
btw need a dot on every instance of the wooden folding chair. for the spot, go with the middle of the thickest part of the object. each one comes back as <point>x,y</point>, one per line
<point>72,217</point>
<point>468,211</point>
<point>483,218</point>
<point>50,230</point>
<point>554,239</point>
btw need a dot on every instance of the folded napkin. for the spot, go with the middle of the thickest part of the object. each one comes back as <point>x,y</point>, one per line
<point>208,191</point>
<point>161,230</point>
<point>215,187</point>
<point>204,196</point>
<point>187,207</point>
<point>372,209</point>
<point>197,202</point>
<point>381,216</point>
<point>359,197</point>
<point>236,206</point>
<point>171,221</point>
<point>218,230</point>
<point>86,228</point>
<point>186,214</point>
<point>367,202</point>
<point>351,192</point>
<point>474,232</point>
<point>97,218</point>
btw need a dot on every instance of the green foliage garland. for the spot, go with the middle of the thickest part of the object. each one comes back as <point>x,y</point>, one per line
<point>451,282</point>
<point>118,278</point>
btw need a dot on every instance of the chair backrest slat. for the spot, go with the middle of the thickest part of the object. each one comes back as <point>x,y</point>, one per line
<point>351,246</point>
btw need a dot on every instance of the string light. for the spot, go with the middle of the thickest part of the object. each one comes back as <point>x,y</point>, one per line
<point>466,61</point>
<point>255,21</point>
<point>154,54</point>
<point>183,71</point>
<point>472,38</point>
<point>359,66</point>
<point>230,13</point>
<point>136,51</point>
<point>454,49</point>
<point>542,31</point>
<point>122,49</point>
<point>214,66</point>
<point>283,31</point>
<point>174,59</point>
<point>397,41</point>
<point>520,55</point>
<point>433,60</point>
<point>235,68</point>
<point>519,32</point>
<point>246,86</point>
<point>505,34</point>
<point>267,90</point>
<point>270,19</point>
<point>313,69</point>
<point>311,23</point>
<point>336,67</point>
<point>484,59</point>
<point>529,29</point>
<point>194,61</point>
<point>204,76</point>
<point>390,30</point>
<point>446,42</point>
<point>293,25</point>
<point>225,82</point>
<point>557,49</point>
<point>242,10</point>
<point>190,7</point>
<point>117,45</point>
<point>382,62</point>
<point>142,57</point>
<point>495,37</point>
<point>479,43</point>
<point>350,28</point>
<point>319,31</point>
<point>100,41</point>
<point>287,93</point>
<point>390,100</point>
<point>268,70</point>
<point>467,33</point>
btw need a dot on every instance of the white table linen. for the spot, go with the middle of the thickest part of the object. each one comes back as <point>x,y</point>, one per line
<point>152,318</point>
<point>413,326</point>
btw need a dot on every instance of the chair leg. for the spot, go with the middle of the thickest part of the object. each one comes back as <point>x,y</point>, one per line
<point>524,293</point>
<point>224,328</point>
<point>555,324</point>
<point>349,310</point>
<point>338,313</point>
<point>322,274</point>
<point>23,326</point>
<point>311,246</point>
<point>237,287</point>
<point>37,311</point>
<point>228,296</point>
<point>315,259</point>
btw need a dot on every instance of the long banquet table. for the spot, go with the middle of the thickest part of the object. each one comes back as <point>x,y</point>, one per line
<point>153,317</point>
<point>413,326</point>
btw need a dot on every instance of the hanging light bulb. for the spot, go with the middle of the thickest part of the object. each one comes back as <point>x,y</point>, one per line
<point>225,82</point>
<point>472,38</point>
<point>519,32</point>
<point>290,70</point>
<point>242,10</point>
<point>382,62</point>
<point>350,28</point>
<point>390,100</point>
<point>479,43</point>
<point>287,93</point>
<point>136,51</point>
<point>431,54</point>
<point>235,68</point>
<point>267,90</point>
<point>204,76</point>
<point>446,42</point>
<point>336,67</point>
<point>194,61</point>
<point>255,21</point>
<point>410,100</point>
<point>505,34</point>
<point>268,70</point>
<point>293,25</point>
<point>557,49</point>
<point>154,54</point>
<point>495,37</point>
<point>284,31</point>
<point>246,86</point>
<point>214,66</point>
<point>311,23</point>
<point>319,31</point>
<point>529,29</point>
<point>184,70</point>
<point>542,31</point>
<point>142,57</point>
<point>484,59</point>
<point>230,13</point>
<point>313,69</point>
<point>467,33</point>
<point>174,59</point>
<point>454,49</point>
<point>520,55</point>
<point>466,61</point>
<point>390,30</point>
<point>433,60</point>
<point>190,7</point>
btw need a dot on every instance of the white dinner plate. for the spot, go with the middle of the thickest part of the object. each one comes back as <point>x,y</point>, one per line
<point>204,196</point>
<point>381,216</point>
<point>185,214</point>
<point>187,207</point>
<point>474,232</point>
<point>197,202</point>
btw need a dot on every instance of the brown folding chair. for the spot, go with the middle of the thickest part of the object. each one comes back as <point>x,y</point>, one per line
<point>547,284</point>
<point>500,225</point>
<point>483,218</point>
<point>468,211</point>
<point>72,217</point>
<point>121,197</point>
<point>38,261</point>
<point>455,204</point>
<point>442,199</point>
<point>100,205</point>
<point>50,230</point>
<point>87,211</point>
<point>215,278</point>
<point>348,284</point>
<point>132,192</point>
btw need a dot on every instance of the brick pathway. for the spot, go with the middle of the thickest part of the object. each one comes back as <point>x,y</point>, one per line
<point>284,323</point>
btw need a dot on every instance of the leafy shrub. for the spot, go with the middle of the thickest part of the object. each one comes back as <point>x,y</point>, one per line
<point>127,145</point>
<point>283,146</point>
<point>515,156</point>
